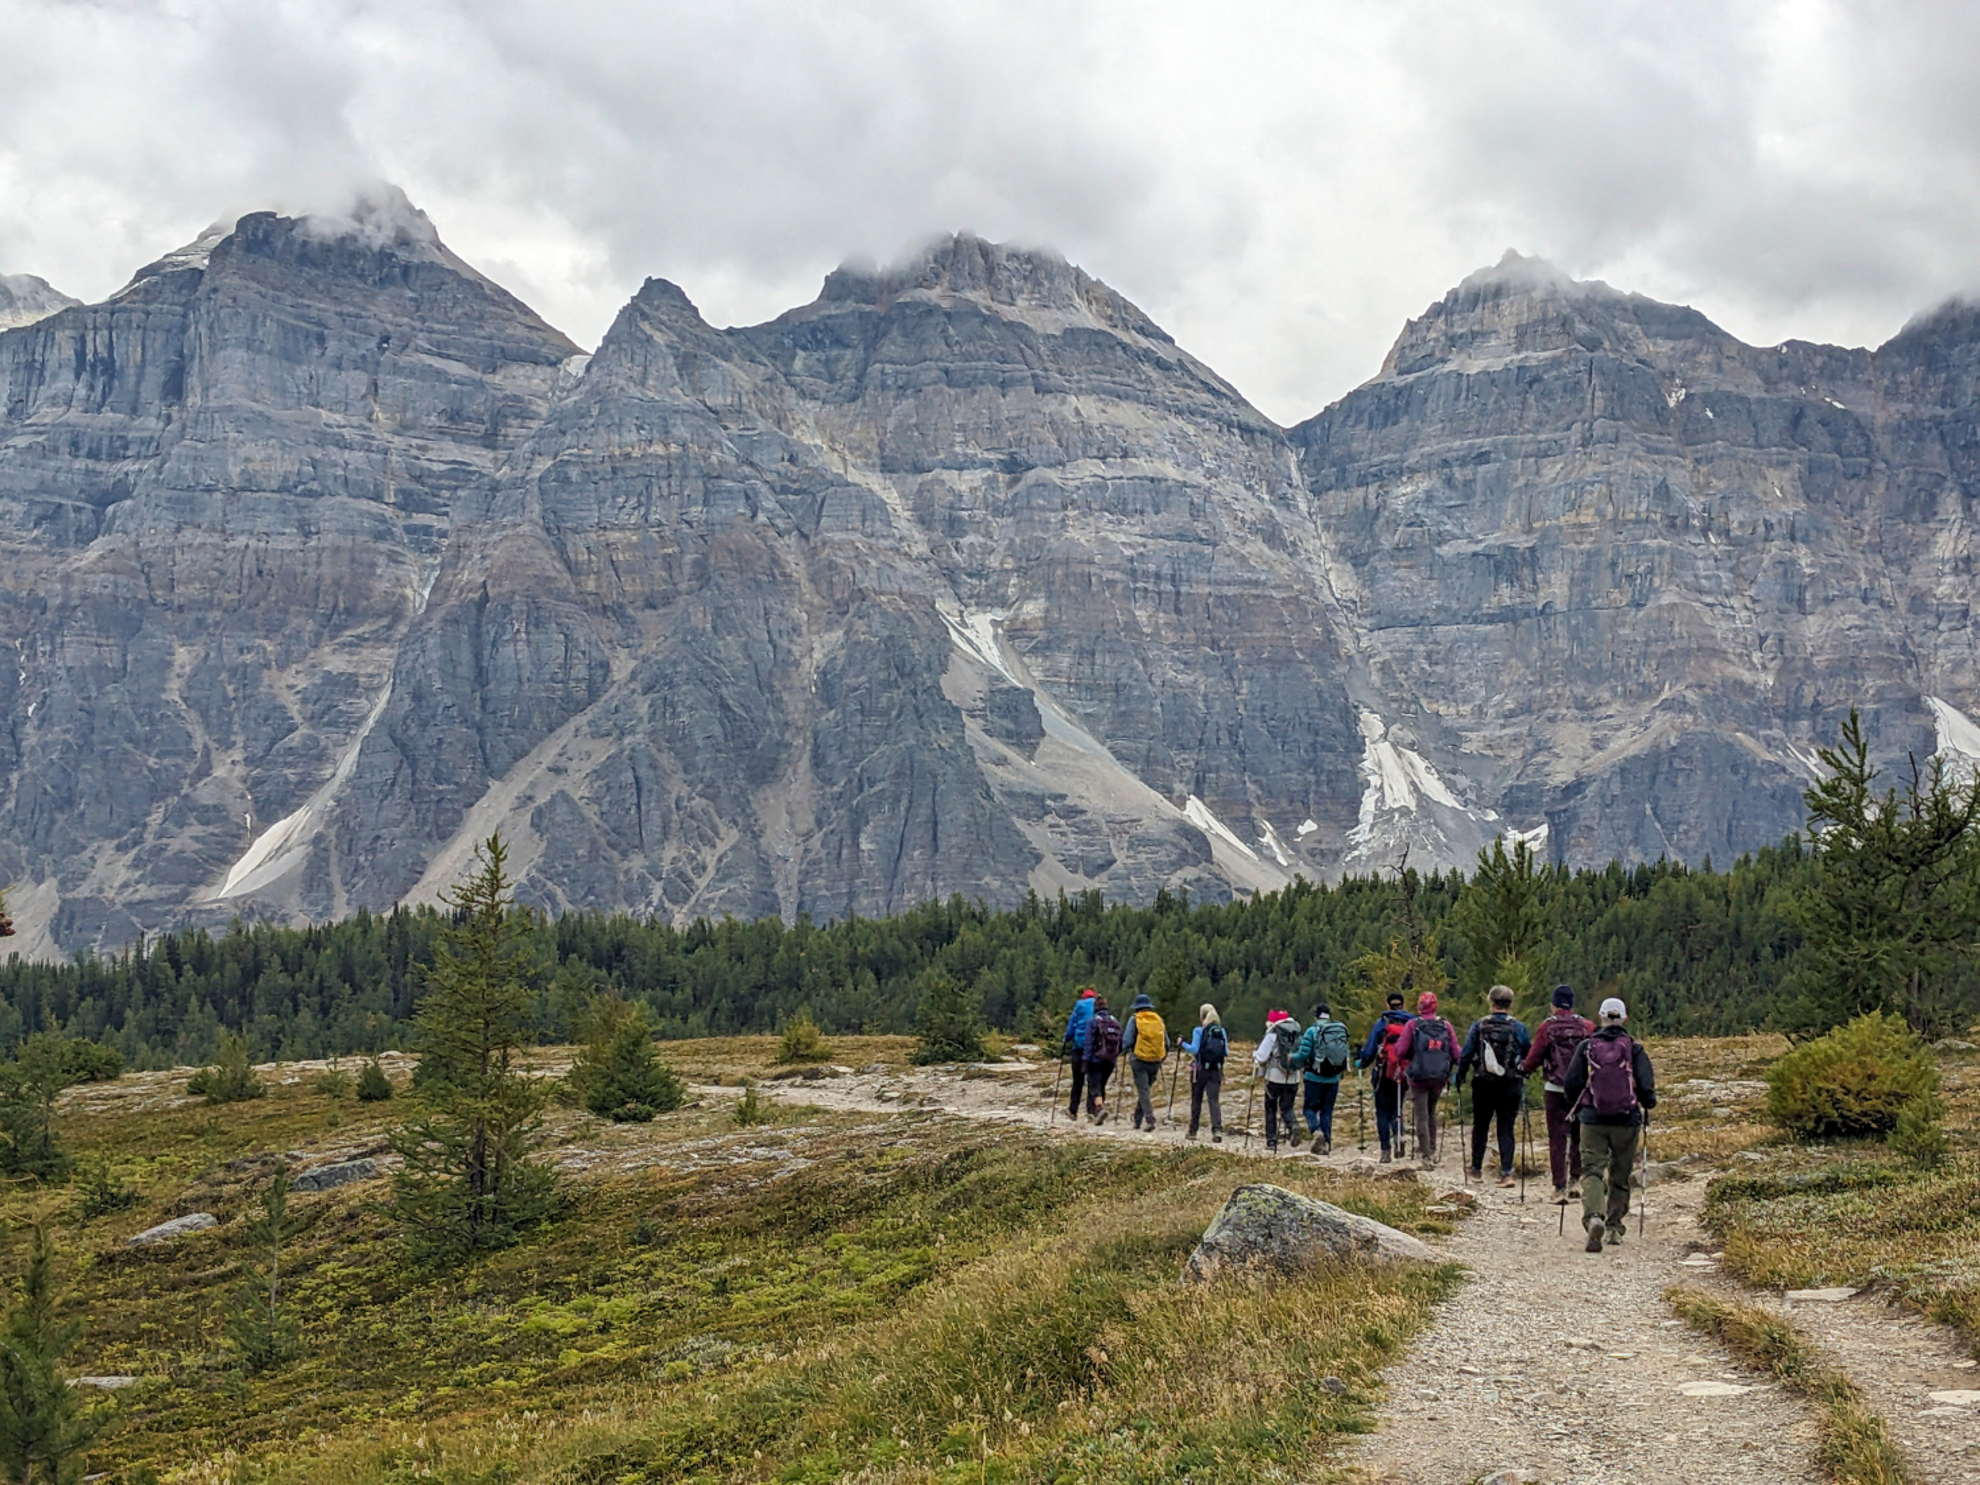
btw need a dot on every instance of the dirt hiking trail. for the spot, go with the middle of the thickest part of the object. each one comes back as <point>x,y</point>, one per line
<point>1551,1365</point>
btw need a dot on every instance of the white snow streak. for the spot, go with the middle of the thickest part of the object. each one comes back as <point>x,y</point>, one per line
<point>1271,842</point>
<point>1199,814</point>
<point>1959,738</point>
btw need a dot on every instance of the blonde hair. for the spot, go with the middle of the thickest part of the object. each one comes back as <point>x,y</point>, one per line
<point>1206,1015</point>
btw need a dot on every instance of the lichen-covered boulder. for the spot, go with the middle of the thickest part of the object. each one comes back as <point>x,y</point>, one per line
<point>1271,1229</point>
<point>341,1173</point>
<point>176,1228</point>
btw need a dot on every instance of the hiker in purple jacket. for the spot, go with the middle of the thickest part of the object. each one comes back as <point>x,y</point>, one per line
<point>1611,1086</point>
<point>1427,1054</point>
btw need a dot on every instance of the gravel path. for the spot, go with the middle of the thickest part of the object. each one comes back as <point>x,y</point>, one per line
<point>1565,1367</point>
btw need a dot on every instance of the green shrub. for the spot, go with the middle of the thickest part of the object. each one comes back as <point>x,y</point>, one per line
<point>233,1080</point>
<point>950,1024</point>
<point>332,1082</point>
<point>99,1193</point>
<point>1919,1135</point>
<point>1855,1081</point>
<point>802,1042</point>
<point>618,1075</point>
<point>750,1109</point>
<point>85,1061</point>
<point>372,1084</point>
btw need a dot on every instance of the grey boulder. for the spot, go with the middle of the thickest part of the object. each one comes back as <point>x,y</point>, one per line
<point>178,1227</point>
<point>342,1173</point>
<point>1267,1228</point>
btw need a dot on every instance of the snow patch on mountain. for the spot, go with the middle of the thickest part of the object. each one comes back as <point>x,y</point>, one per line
<point>1395,778</point>
<point>1959,737</point>
<point>1204,819</point>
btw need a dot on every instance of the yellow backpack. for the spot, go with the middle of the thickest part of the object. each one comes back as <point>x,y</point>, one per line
<point>1151,1037</point>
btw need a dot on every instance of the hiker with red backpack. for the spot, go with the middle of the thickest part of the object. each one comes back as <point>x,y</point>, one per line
<point>1425,1057</point>
<point>1103,1049</point>
<point>1554,1046</point>
<point>1611,1087</point>
<point>1494,1048</point>
<point>1375,1058</point>
<point>1274,1058</point>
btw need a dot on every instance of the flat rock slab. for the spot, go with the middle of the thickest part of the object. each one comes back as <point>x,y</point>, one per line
<point>1272,1229</point>
<point>342,1173</point>
<point>178,1227</point>
<point>1711,1389</point>
<point>1961,1399</point>
<point>1821,1296</point>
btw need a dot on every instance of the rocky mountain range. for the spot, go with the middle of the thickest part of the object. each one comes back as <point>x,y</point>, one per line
<point>326,556</point>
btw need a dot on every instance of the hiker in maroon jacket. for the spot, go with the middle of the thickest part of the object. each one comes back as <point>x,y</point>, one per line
<point>1426,1054</point>
<point>1554,1041</point>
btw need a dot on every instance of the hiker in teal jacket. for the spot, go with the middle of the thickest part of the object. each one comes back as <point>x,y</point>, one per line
<point>1323,1055</point>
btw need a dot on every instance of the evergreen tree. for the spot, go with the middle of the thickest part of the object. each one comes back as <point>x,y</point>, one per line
<point>1892,919</point>
<point>467,1181</point>
<point>233,1079</point>
<point>618,1074</point>
<point>949,1026</point>
<point>263,1333</point>
<point>28,1086</point>
<point>1503,918</point>
<point>372,1084</point>
<point>43,1426</point>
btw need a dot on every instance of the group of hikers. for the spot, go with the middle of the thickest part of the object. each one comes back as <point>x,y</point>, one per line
<point>1596,1079</point>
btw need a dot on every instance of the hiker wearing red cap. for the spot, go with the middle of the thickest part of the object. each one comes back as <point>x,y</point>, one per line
<point>1425,1054</point>
<point>1274,1058</point>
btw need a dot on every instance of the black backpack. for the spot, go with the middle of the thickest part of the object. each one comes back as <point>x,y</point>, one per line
<point>1212,1047</point>
<point>1500,1036</point>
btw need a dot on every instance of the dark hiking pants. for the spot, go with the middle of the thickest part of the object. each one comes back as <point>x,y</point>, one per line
<point>1608,1151</point>
<point>1493,1099</point>
<point>1278,1111</point>
<point>1097,1074</point>
<point>1145,1076</point>
<point>1388,1112</point>
<point>1423,1111</point>
<point>1319,1108</point>
<point>1563,1140</point>
<point>1079,1085</point>
<point>1207,1084</point>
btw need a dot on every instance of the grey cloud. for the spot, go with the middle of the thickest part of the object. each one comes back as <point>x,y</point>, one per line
<point>1280,184</point>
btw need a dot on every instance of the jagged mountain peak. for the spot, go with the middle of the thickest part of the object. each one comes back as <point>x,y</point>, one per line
<point>24,299</point>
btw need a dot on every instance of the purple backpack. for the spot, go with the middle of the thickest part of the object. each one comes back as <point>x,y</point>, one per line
<point>1103,1038</point>
<point>1611,1089</point>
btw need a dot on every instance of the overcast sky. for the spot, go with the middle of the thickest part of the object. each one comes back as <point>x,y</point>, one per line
<point>1279,184</point>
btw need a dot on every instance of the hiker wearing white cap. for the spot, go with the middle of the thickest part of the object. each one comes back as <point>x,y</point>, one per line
<point>1611,1086</point>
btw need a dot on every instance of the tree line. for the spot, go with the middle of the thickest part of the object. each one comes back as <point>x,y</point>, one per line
<point>1875,907</point>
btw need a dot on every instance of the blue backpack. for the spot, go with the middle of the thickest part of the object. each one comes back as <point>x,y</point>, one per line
<point>1212,1047</point>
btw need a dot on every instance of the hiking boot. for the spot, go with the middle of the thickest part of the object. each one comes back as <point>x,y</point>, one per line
<point>1316,1148</point>
<point>1560,1196</point>
<point>1574,1191</point>
<point>1326,1145</point>
<point>1386,1157</point>
<point>1191,1135</point>
<point>1216,1136</point>
<point>1477,1174</point>
<point>1613,1236</point>
<point>1271,1147</point>
<point>1506,1178</point>
<point>1137,1118</point>
<point>1594,1243</point>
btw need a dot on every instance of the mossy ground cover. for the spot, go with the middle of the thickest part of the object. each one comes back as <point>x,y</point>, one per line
<point>828,1295</point>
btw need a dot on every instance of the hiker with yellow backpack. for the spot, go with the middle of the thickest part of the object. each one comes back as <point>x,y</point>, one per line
<point>1147,1042</point>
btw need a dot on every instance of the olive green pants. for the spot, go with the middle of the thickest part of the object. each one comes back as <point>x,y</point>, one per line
<point>1608,1154</point>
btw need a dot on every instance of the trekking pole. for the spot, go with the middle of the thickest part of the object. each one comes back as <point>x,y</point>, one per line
<point>1643,1210</point>
<point>1360,1118</point>
<point>1174,1073</point>
<point>1058,1067</point>
<point>1250,1102</point>
<point>1526,1135</point>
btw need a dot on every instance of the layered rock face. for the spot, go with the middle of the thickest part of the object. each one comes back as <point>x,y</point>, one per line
<point>326,557</point>
<point>224,492</point>
<point>1621,573</point>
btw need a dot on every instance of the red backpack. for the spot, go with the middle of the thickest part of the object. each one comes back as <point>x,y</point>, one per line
<point>1388,1051</point>
<point>1611,1090</point>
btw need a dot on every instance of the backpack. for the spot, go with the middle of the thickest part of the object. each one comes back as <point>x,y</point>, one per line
<point>1151,1037</point>
<point>1430,1053</point>
<point>1498,1048</point>
<point>1388,1050</point>
<point>1285,1041</point>
<point>1212,1047</point>
<point>1611,1090</point>
<point>1565,1033</point>
<point>1103,1038</point>
<point>1331,1053</point>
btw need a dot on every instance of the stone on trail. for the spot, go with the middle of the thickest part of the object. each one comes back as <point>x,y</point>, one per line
<point>177,1227</point>
<point>1711,1389</point>
<point>1821,1296</point>
<point>339,1173</point>
<point>1960,1399</point>
<point>1271,1228</point>
<point>1511,1477</point>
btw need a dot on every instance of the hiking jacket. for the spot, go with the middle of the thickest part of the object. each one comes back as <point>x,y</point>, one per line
<point>1471,1061</point>
<point>1262,1056</point>
<point>1136,1007</point>
<point>1536,1055</point>
<point>1197,1071</point>
<point>1078,1021</point>
<point>1407,1046</point>
<point>1371,1047</point>
<point>1308,1052</point>
<point>1577,1083</point>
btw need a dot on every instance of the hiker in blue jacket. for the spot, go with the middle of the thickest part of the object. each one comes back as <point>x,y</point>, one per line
<point>1323,1055</point>
<point>1387,1091</point>
<point>1206,1049</point>
<point>1075,1045</point>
